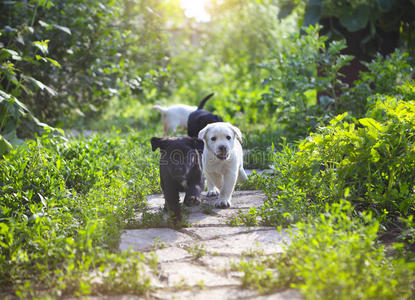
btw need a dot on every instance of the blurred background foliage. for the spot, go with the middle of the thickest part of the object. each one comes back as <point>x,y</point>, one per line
<point>65,63</point>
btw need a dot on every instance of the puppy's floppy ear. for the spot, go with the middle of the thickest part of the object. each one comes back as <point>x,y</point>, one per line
<point>238,133</point>
<point>199,145</point>
<point>203,132</point>
<point>157,142</point>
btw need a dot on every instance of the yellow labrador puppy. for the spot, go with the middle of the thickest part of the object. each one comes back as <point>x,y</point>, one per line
<point>222,160</point>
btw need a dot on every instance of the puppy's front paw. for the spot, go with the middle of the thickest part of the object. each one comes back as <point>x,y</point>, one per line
<point>223,203</point>
<point>192,201</point>
<point>213,192</point>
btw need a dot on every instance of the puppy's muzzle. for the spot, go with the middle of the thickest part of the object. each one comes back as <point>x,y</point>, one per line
<point>179,172</point>
<point>222,152</point>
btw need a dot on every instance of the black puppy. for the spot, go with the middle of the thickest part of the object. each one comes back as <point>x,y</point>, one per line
<point>180,171</point>
<point>200,118</point>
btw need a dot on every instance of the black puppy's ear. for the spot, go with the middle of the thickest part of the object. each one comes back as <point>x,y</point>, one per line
<point>157,142</point>
<point>199,145</point>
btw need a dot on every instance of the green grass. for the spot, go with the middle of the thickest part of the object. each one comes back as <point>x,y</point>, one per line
<point>334,256</point>
<point>63,206</point>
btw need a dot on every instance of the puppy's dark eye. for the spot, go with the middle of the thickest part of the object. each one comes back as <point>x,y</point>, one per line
<point>228,138</point>
<point>213,138</point>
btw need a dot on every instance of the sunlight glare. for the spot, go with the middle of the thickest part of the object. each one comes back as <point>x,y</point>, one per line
<point>195,9</point>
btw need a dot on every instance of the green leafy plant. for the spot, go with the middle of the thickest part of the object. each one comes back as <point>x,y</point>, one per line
<point>55,233</point>
<point>388,75</point>
<point>15,84</point>
<point>197,251</point>
<point>293,82</point>
<point>333,256</point>
<point>369,161</point>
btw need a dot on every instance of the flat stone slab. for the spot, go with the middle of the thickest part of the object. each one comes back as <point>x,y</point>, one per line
<point>151,239</point>
<point>216,218</point>
<point>170,254</point>
<point>240,199</point>
<point>185,274</point>
<point>226,293</point>
<point>207,233</point>
<point>211,293</point>
<point>221,264</point>
<point>259,242</point>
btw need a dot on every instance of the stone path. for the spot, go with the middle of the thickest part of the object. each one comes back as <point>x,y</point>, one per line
<point>196,262</point>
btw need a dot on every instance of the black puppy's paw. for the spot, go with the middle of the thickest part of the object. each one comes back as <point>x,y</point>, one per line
<point>192,201</point>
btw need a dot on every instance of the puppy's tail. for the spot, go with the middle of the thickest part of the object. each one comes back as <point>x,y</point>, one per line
<point>202,103</point>
<point>159,108</point>
<point>242,175</point>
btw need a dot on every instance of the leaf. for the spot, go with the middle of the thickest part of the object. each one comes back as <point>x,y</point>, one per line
<point>42,46</point>
<point>20,104</point>
<point>43,24</point>
<point>19,39</point>
<point>11,136</point>
<point>42,199</point>
<point>14,54</point>
<point>385,5</point>
<point>40,85</point>
<point>5,146</point>
<point>375,155</point>
<point>54,62</point>
<point>371,123</point>
<point>48,59</point>
<point>4,96</point>
<point>38,123</point>
<point>62,28</point>
<point>355,20</point>
<point>313,12</point>
<point>285,9</point>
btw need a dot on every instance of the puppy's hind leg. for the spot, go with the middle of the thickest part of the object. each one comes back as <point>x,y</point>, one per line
<point>165,128</point>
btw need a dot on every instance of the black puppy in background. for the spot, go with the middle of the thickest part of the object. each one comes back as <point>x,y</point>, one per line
<point>180,171</point>
<point>200,118</point>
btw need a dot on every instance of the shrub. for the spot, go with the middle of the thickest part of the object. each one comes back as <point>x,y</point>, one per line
<point>369,161</point>
<point>385,75</point>
<point>62,207</point>
<point>334,256</point>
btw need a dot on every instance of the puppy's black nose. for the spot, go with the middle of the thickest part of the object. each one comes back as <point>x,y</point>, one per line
<point>179,170</point>
<point>222,148</point>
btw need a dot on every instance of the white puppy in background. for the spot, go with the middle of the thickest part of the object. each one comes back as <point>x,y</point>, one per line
<point>174,116</point>
<point>222,160</point>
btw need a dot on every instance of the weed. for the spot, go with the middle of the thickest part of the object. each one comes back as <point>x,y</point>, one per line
<point>254,252</point>
<point>249,218</point>
<point>152,220</point>
<point>206,209</point>
<point>201,284</point>
<point>197,251</point>
<point>158,244</point>
<point>334,256</point>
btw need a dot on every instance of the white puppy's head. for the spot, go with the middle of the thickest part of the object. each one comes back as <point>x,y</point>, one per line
<point>219,138</point>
